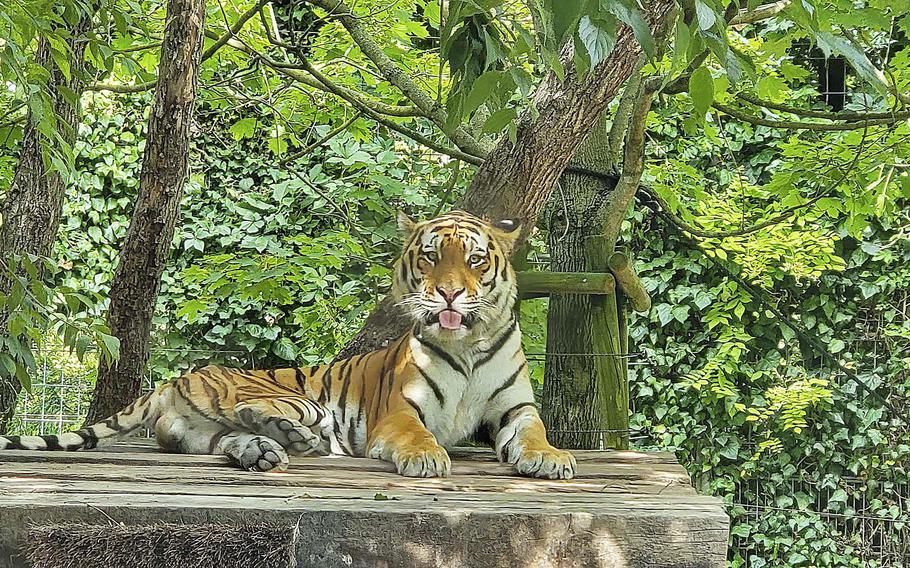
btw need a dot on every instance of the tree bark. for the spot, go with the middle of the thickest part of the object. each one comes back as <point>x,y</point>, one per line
<point>30,215</point>
<point>570,400</point>
<point>583,394</point>
<point>516,180</point>
<point>134,289</point>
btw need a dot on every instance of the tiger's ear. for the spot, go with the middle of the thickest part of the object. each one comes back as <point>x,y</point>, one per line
<point>507,233</point>
<point>405,224</point>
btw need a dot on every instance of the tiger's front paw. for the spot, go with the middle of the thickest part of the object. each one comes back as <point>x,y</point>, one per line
<point>429,461</point>
<point>549,463</point>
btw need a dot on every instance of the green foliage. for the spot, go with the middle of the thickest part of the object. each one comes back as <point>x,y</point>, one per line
<point>278,260</point>
<point>33,305</point>
<point>273,264</point>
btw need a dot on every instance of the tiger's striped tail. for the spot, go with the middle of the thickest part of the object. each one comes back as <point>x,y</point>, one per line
<point>142,412</point>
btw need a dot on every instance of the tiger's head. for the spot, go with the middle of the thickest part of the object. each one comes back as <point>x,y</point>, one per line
<point>454,275</point>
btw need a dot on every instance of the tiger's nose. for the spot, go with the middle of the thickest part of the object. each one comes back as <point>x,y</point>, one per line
<point>449,295</point>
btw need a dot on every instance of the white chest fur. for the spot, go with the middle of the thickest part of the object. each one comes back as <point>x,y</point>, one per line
<point>457,391</point>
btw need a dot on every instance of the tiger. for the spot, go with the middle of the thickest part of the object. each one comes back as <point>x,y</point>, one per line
<point>459,371</point>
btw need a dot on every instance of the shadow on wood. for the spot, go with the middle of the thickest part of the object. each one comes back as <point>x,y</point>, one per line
<point>624,509</point>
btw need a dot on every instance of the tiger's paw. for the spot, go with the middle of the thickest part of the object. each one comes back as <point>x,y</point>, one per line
<point>548,463</point>
<point>263,454</point>
<point>297,438</point>
<point>432,461</point>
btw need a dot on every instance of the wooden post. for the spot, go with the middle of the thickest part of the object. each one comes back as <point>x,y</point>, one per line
<point>612,384</point>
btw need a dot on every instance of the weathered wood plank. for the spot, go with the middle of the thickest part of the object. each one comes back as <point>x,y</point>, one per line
<point>624,509</point>
<point>29,485</point>
<point>150,453</point>
<point>461,478</point>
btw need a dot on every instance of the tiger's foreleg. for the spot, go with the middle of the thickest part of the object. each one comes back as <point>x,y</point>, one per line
<point>402,439</point>
<point>519,433</point>
<point>294,422</point>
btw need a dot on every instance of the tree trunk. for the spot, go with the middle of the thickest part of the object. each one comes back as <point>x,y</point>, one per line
<point>31,213</point>
<point>571,406</point>
<point>584,394</point>
<point>134,289</point>
<point>516,180</point>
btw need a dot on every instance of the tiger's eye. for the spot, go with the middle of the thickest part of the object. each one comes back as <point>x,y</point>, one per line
<point>431,256</point>
<point>476,259</point>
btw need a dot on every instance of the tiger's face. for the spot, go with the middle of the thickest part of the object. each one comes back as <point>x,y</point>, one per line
<point>454,274</point>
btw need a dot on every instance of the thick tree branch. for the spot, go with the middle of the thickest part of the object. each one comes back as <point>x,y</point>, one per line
<point>517,178</point>
<point>398,77</point>
<point>623,114</point>
<point>847,116</point>
<point>633,162</point>
<point>799,125</point>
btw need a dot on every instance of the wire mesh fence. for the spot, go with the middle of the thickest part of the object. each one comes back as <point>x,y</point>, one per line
<point>62,385</point>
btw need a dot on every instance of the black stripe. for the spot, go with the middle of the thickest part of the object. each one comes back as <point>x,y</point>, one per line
<point>336,431</point>
<point>215,397</point>
<point>89,439</point>
<point>436,390</point>
<point>317,409</point>
<point>497,345</point>
<point>386,370</point>
<point>417,408</point>
<point>213,443</point>
<point>301,379</point>
<point>343,395</point>
<point>147,409</point>
<point>271,373</point>
<point>53,443</point>
<point>352,431</point>
<point>297,404</point>
<point>444,356</point>
<point>391,383</point>
<point>180,387</point>
<point>508,383</point>
<point>506,416</point>
<point>377,395</point>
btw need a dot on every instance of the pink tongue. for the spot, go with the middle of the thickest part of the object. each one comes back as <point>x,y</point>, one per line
<point>450,319</point>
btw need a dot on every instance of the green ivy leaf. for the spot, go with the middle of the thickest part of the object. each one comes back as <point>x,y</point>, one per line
<point>285,349</point>
<point>111,345</point>
<point>243,128</point>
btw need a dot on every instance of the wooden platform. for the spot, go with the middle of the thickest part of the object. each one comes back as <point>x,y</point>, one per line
<point>623,509</point>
